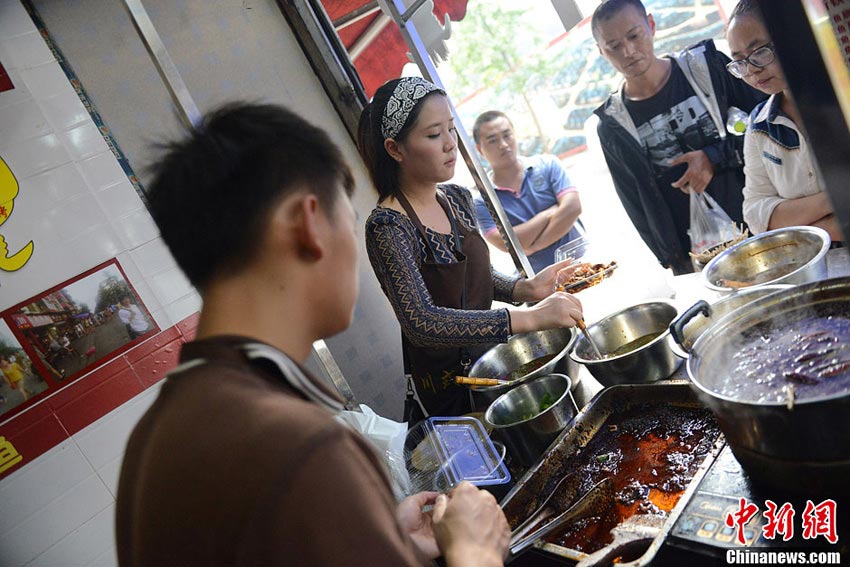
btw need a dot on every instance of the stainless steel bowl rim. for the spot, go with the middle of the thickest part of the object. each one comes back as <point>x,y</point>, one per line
<point>588,362</point>
<point>729,252</point>
<point>542,371</point>
<point>512,392</point>
<point>747,314</point>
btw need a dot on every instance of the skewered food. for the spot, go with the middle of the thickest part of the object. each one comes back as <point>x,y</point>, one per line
<point>704,257</point>
<point>587,275</point>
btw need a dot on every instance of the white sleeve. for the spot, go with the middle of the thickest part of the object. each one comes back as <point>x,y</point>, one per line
<point>760,196</point>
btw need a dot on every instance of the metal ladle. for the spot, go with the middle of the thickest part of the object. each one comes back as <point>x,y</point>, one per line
<point>560,286</point>
<point>597,353</point>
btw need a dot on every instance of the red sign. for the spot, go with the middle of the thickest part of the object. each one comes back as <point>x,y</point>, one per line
<point>818,520</point>
<point>31,321</point>
<point>740,518</point>
<point>780,521</point>
<point>5,80</point>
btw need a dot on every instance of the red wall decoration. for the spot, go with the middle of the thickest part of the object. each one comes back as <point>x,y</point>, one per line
<point>54,338</point>
<point>5,80</point>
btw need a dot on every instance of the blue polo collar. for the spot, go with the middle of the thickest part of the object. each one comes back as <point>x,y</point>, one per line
<point>528,169</point>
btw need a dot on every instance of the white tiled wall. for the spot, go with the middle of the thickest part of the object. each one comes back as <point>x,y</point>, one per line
<point>225,51</point>
<point>60,509</point>
<point>75,201</point>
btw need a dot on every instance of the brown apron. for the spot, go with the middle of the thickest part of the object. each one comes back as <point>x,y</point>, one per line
<point>465,284</point>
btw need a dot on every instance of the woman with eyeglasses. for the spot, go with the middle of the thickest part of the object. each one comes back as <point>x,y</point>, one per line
<point>782,187</point>
<point>424,245</point>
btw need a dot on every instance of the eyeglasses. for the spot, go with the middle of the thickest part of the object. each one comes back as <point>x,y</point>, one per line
<point>761,57</point>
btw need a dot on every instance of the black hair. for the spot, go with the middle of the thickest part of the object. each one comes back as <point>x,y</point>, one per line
<point>483,119</point>
<point>746,7</point>
<point>383,169</point>
<point>214,190</point>
<point>610,8</point>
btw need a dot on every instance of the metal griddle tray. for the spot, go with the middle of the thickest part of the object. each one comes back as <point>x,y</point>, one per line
<point>589,420</point>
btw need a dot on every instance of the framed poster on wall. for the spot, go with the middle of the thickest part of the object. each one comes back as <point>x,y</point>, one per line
<point>63,333</point>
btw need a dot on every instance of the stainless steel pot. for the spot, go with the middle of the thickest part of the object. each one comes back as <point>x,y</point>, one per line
<point>790,255</point>
<point>804,445</point>
<point>648,363</point>
<point>520,350</point>
<point>517,419</point>
<point>687,328</point>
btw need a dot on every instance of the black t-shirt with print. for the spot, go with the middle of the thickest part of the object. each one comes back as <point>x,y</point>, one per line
<point>670,123</point>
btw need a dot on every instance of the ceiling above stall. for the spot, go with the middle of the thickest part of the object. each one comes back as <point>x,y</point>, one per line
<point>374,42</point>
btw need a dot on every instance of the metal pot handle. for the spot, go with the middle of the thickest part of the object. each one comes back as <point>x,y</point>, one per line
<point>677,327</point>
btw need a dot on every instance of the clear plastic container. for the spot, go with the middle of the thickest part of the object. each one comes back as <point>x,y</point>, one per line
<point>442,452</point>
<point>575,249</point>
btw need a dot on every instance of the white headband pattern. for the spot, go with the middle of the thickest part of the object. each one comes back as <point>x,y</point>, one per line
<point>406,94</point>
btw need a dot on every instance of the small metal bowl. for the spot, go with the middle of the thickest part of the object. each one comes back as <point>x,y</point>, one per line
<point>649,362</point>
<point>503,359</point>
<point>517,419</point>
<point>791,255</point>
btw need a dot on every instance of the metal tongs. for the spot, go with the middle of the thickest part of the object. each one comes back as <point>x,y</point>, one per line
<point>556,506</point>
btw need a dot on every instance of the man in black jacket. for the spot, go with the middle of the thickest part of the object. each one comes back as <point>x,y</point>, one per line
<point>663,133</point>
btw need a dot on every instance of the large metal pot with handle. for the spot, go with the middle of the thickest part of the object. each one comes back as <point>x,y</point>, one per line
<point>776,373</point>
<point>697,319</point>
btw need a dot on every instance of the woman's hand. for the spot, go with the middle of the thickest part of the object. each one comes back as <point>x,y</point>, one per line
<point>559,310</point>
<point>418,524</point>
<point>543,284</point>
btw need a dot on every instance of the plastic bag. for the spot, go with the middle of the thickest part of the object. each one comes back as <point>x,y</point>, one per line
<point>710,225</point>
<point>388,437</point>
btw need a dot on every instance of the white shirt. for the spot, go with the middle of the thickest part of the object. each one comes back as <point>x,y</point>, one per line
<point>777,164</point>
<point>132,315</point>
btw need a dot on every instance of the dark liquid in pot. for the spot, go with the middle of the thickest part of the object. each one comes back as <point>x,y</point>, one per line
<point>632,345</point>
<point>809,354</point>
<point>529,367</point>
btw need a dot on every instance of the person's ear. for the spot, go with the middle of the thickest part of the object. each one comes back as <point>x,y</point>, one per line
<point>296,222</point>
<point>651,21</point>
<point>392,148</point>
<point>309,234</point>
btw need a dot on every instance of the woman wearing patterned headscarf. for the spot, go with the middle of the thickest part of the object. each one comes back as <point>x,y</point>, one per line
<point>426,251</point>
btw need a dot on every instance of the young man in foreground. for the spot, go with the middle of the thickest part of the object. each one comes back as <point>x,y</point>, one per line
<point>240,460</point>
